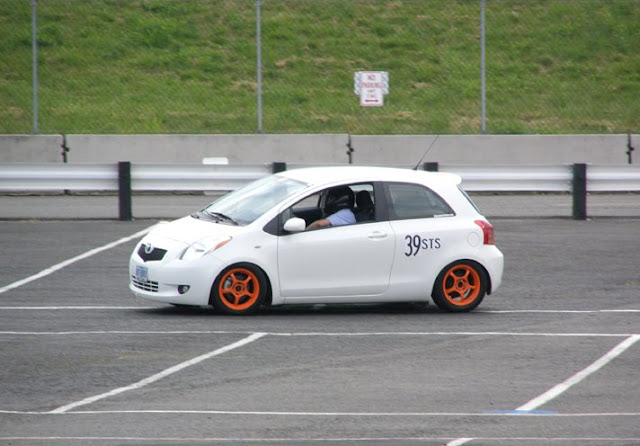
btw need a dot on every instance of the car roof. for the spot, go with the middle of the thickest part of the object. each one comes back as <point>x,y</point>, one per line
<point>317,176</point>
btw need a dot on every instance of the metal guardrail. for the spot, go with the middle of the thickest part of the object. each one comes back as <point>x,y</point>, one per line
<point>185,177</point>
<point>604,178</point>
<point>221,177</point>
<point>125,177</point>
<point>54,177</point>
<point>144,177</point>
<point>513,178</point>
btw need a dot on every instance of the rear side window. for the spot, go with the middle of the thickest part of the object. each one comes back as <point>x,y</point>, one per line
<point>415,201</point>
<point>466,195</point>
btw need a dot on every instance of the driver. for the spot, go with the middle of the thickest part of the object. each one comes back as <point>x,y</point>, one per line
<point>337,208</point>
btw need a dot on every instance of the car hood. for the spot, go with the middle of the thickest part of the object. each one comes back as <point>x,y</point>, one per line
<point>188,230</point>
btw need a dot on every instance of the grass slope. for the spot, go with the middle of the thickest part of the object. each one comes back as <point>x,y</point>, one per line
<point>189,66</point>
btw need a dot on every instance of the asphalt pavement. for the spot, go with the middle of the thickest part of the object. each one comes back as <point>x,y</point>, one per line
<point>550,358</point>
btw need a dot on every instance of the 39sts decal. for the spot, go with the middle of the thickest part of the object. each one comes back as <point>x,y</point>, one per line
<point>415,243</point>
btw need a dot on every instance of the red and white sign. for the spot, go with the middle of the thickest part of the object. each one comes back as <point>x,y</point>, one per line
<point>371,97</point>
<point>371,86</point>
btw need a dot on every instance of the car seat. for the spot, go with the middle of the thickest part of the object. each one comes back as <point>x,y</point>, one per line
<point>365,209</point>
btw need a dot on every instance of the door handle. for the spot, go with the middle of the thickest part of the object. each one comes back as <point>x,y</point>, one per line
<point>377,235</point>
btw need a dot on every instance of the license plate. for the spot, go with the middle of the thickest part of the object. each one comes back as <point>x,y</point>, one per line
<point>142,273</point>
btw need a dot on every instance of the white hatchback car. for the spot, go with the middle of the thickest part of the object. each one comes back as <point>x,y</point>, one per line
<point>325,235</point>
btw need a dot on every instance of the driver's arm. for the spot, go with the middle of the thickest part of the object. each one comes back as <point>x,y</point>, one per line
<point>319,224</point>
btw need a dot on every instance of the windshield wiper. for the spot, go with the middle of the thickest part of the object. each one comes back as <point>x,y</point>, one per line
<point>222,217</point>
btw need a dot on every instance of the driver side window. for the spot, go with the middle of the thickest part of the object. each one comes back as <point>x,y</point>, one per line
<point>308,209</point>
<point>335,206</point>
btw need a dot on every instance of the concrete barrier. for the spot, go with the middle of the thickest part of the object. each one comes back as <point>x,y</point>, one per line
<point>30,148</point>
<point>320,149</point>
<point>494,149</point>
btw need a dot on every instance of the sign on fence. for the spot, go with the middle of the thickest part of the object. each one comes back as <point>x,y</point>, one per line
<point>371,86</point>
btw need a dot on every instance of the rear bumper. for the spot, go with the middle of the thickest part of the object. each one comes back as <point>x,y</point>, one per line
<point>494,263</point>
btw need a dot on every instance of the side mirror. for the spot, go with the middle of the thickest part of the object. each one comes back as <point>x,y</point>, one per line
<point>295,224</point>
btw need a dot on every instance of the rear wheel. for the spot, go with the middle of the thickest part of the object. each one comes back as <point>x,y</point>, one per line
<point>460,287</point>
<point>239,289</point>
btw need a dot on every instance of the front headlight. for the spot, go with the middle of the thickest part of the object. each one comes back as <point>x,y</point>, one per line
<point>203,247</point>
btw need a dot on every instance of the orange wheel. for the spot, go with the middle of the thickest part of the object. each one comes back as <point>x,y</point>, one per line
<point>461,286</point>
<point>239,289</point>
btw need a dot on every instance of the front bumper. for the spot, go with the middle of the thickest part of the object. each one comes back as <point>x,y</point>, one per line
<point>163,279</point>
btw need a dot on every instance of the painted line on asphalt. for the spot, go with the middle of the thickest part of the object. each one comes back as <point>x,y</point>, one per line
<point>499,414</point>
<point>81,307</point>
<point>460,441</point>
<point>559,389</point>
<point>297,440</point>
<point>581,375</point>
<point>159,376</point>
<point>130,307</point>
<point>630,310</point>
<point>319,334</point>
<point>59,266</point>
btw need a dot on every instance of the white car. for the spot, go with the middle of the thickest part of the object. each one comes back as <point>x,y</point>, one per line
<point>401,236</point>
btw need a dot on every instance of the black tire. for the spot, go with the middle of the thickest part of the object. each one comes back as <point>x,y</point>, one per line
<point>239,289</point>
<point>460,286</point>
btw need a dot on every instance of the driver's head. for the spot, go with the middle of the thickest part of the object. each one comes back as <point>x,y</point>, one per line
<point>338,198</point>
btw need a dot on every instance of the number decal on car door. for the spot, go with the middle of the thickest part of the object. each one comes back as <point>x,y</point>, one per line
<point>415,243</point>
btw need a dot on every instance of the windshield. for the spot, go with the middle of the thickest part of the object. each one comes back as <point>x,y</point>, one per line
<point>246,204</point>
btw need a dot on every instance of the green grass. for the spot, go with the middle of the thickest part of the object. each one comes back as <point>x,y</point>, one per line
<point>189,66</point>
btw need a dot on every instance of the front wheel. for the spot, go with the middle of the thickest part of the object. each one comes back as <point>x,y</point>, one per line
<point>460,287</point>
<point>239,289</point>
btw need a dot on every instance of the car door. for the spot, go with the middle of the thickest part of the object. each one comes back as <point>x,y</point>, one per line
<point>339,262</point>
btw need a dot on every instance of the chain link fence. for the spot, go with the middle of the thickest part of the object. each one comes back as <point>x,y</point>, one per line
<point>191,66</point>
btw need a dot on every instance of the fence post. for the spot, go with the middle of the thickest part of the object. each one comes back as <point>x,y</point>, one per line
<point>278,167</point>
<point>34,55</point>
<point>259,62</point>
<point>580,191</point>
<point>124,190</point>
<point>483,76</point>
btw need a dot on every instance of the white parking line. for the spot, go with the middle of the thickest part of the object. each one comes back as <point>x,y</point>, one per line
<point>159,376</point>
<point>460,441</point>
<point>581,375</point>
<point>320,334</point>
<point>492,414</point>
<point>81,307</point>
<point>568,383</point>
<point>598,441</point>
<point>130,307</point>
<point>557,311</point>
<point>59,266</point>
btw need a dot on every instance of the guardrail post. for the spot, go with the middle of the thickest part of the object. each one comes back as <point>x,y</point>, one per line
<point>278,167</point>
<point>430,166</point>
<point>124,190</point>
<point>579,191</point>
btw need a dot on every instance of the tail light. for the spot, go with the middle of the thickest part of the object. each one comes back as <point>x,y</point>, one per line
<point>487,231</point>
